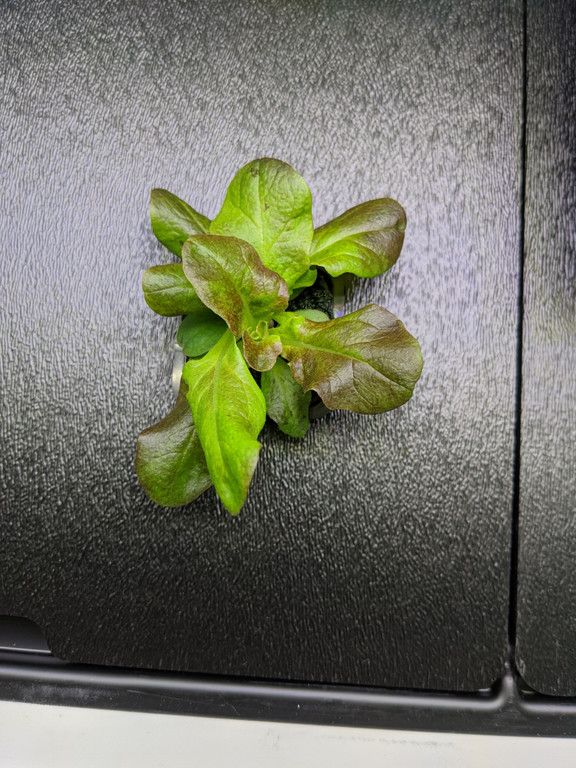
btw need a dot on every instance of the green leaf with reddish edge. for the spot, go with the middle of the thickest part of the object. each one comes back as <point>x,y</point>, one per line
<point>173,220</point>
<point>366,240</point>
<point>229,411</point>
<point>230,279</point>
<point>261,348</point>
<point>270,206</point>
<point>365,362</point>
<point>286,402</point>
<point>170,462</point>
<point>168,291</point>
<point>199,331</point>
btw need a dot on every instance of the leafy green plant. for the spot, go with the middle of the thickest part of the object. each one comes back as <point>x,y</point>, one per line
<point>235,286</point>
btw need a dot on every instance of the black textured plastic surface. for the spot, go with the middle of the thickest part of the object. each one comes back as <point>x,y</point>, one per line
<point>375,551</point>
<point>546,629</point>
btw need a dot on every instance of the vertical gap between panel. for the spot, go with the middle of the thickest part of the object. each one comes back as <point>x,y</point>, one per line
<point>513,605</point>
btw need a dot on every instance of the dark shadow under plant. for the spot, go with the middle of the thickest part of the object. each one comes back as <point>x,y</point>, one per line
<point>238,277</point>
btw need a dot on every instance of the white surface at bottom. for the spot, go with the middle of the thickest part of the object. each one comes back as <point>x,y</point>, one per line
<point>40,736</point>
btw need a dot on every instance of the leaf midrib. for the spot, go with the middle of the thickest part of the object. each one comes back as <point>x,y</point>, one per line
<point>230,480</point>
<point>215,405</point>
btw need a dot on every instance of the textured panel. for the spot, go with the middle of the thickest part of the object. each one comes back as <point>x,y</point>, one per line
<point>546,634</point>
<point>375,551</point>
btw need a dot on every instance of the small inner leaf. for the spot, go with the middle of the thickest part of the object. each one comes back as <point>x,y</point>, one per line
<point>173,220</point>
<point>199,331</point>
<point>313,314</point>
<point>318,297</point>
<point>261,350</point>
<point>305,280</point>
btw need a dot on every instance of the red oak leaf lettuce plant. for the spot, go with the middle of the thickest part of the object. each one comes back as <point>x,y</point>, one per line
<point>235,286</point>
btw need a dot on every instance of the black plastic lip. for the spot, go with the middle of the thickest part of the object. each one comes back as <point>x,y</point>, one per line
<point>20,634</point>
<point>25,676</point>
